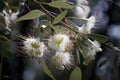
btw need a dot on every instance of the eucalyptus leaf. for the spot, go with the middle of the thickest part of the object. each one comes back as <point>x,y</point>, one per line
<point>99,38</point>
<point>60,4</point>
<point>60,29</point>
<point>78,56</point>
<point>31,15</point>
<point>76,74</point>
<point>72,25</point>
<point>47,71</point>
<point>44,22</point>
<point>60,17</point>
<point>84,21</point>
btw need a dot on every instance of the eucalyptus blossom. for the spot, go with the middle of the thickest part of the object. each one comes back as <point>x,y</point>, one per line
<point>33,47</point>
<point>89,50</point>
<point>62,60</point>
<point>88,26</point>
<point>59,42</point>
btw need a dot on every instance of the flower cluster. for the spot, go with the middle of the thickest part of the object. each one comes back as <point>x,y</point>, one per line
<point>89,50</point>
<point>89,47</point>
<point>60,43</point>
<point>62,46</point>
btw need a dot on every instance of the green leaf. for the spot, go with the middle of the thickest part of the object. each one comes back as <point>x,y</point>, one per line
<point>76,74</point>
<point>60,4</point>
<point>44,22</point>
<point>31,15</point>
<point>78,56</point>
<point>84,21</point>
<point>47,71</point>
<point>60,17</point>
<point>99,38</point>
<point>60,29</point>
<point>72,25</point>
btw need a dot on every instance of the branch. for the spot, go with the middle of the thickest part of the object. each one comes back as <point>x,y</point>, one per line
<point>67,26</point>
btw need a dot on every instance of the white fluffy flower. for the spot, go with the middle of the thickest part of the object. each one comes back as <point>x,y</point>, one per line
<point>62,60</point>
<point>89,50</point>
<point>9,18</point>
<point>86,28</point>
<point>33,47</point>
<point>82,8</point>
<point>59,42</point>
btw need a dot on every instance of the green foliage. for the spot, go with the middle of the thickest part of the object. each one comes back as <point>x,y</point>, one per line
<point>60,4</point>
<point>72,25</point>
<point>76,74</point>
<point>60,29</point>
<point>59,17</point>
<point>31,15</point>
<point>84,21</point>
<point>78,56</point>
<point>44,22</point>
<point>100,38</point>
<point>47,71</point>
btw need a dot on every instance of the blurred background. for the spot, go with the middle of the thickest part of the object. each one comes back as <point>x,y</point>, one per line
<point>107,63</point>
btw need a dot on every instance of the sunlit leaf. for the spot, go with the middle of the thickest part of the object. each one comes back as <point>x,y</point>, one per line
<point>76,74</point>
<point>99,38</point>
<point>47,71</point>
<point>60,4</point>
<point>31,15</point>
<point>59,17</point>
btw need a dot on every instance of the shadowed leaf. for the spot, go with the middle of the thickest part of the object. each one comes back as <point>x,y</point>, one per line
<point>99,38</point>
